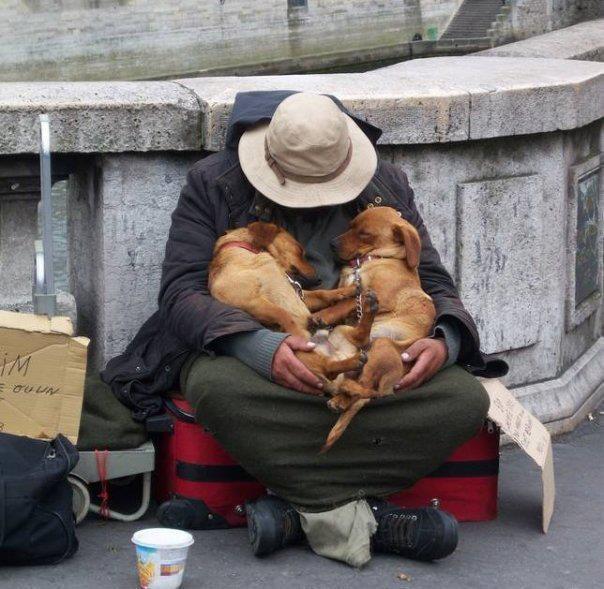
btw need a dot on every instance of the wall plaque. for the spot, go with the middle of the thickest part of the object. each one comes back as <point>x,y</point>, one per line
<point>585,242</point>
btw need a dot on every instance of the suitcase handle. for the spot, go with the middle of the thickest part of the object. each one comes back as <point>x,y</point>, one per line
<point>178,412</point>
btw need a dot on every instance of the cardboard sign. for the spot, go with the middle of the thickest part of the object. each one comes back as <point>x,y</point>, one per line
<point>42,371</point>
<point>529,433</point>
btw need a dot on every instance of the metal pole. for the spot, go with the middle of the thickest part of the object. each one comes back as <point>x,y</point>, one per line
<point>46,182</point>
<point>44,297</point>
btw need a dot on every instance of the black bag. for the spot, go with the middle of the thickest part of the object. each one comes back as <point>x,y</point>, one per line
<point>37,524</point>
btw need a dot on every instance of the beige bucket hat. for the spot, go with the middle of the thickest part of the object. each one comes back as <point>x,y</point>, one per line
<point>311,154</point>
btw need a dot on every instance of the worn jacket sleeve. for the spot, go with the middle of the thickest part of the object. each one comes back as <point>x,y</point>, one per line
<point>185,304</point>
<point>437,282</point>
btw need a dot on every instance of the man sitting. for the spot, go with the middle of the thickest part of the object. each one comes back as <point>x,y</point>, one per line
<point>299,160</point>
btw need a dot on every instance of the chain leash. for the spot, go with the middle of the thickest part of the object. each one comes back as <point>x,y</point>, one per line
<point>296,286</point>
<point>357,282</point>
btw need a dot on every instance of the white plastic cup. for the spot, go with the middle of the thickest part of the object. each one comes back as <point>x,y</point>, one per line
<point>161,555</point>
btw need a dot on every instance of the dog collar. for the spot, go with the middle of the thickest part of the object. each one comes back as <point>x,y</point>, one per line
<point>240,244</point>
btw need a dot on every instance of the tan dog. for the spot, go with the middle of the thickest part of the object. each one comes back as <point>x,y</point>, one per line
<point>383,250</point>
<point>253,269</point>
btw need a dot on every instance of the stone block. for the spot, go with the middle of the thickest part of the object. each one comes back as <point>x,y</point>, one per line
<point>99,116</point>
<point>500,259</point>
<point>536,96</point>
<point>408,111</point>
<point>512,96</point>
<point>119,238</point>
<point>18,230</point>
<point>584,41</point>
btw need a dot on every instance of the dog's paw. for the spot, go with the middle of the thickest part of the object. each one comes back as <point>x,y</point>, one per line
<point>334,404</point>
<point>315,322</point>
<point>347,292</point>
<point>363,357</point>
<point>372,304</point>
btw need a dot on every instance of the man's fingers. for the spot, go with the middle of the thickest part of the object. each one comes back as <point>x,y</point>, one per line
<point>297,385</point>
<point>303,374</point>
<point>427,374</point>
<point>290,372</point>
<point>299,344</point>
<point>286,379</point>
<point>418,372</point>
<point>413,351</point>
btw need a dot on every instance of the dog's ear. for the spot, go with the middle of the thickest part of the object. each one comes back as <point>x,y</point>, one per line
<point>262,233</point>
<point>406,234</point>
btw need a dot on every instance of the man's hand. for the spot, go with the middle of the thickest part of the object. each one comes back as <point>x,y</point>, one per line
<point>289,372</point>
<point>428,356</point>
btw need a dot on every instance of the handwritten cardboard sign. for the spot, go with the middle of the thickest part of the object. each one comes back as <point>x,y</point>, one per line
<point>42,371</point>
<point>530,434</point>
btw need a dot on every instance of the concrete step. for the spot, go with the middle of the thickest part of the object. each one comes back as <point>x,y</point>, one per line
<point>474,18</point>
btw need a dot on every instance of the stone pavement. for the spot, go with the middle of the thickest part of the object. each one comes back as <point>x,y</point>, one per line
<point>510,552</point>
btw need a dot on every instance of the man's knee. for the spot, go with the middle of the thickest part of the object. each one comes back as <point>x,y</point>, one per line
<point>467,403</point>
<point>476,401</point>
<point>213,376</point>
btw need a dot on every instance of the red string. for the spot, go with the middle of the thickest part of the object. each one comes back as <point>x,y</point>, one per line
<point>101,467</point>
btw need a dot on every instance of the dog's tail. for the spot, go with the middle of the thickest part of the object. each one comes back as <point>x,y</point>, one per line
<point>343,422</point>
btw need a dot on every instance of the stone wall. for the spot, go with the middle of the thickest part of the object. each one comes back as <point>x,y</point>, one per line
<point>504,154</point>
<point>528,18</point>
<point>135,39</point>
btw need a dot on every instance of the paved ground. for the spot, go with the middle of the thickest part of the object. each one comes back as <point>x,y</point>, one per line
<point>510,552</point>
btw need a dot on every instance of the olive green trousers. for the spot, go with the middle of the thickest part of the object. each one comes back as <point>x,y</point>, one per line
<point>276,433</point>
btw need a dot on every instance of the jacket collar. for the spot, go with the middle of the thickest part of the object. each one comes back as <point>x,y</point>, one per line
<point>262,208</point>
<point>239,193</point>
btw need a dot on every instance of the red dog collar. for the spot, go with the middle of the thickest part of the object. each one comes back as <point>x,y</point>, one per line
<point>240,244</point>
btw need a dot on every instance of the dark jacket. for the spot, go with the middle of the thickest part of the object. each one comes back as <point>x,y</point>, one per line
<point>216,197</point>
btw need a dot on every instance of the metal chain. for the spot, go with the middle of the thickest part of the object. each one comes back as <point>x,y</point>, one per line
<point>297,286</point>
<point>357,282</point>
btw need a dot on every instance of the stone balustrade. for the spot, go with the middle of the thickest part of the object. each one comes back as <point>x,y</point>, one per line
<point>504,154</point>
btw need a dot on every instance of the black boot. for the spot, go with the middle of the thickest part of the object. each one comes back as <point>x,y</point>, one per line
<point>272,524</point>
<point>421,534</point>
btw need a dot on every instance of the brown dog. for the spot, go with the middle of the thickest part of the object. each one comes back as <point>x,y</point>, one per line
<point>382,251</point>
<point>253,269</point>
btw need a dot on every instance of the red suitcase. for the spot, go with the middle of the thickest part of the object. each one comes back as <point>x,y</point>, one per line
<point>466,485</point>
<point>191,464</point>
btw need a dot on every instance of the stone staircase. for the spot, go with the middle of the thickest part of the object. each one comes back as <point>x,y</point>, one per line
<point>476,19</point>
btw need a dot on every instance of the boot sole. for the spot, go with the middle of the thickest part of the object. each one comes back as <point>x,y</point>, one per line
<point>263,534</point>
<point>449,541</point>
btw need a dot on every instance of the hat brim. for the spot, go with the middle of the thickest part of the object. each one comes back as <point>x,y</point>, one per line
<point>343,188</point>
